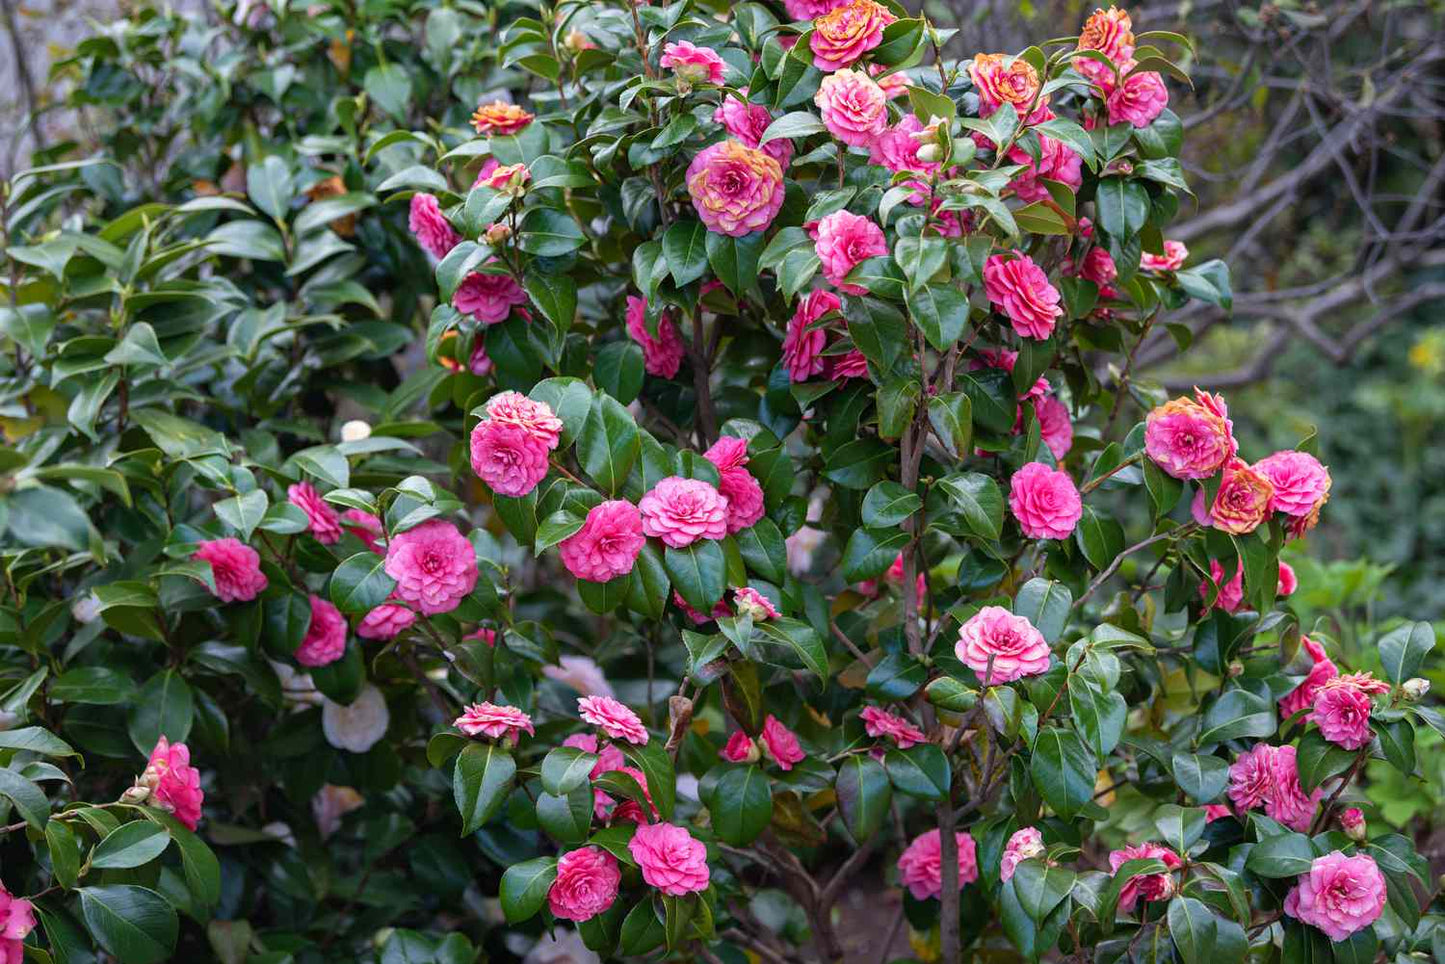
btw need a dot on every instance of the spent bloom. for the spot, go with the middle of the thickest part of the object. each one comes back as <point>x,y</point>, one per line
<point>359,725</point>
<point>1187,439</point>
<point>1044,501</point>
<point>735,189</point>
<point>507,457</point>
<point>681,511</point>
<point>1025,844</point>
<point>494,721</point>
<point>1019,288</point>
<point>1001,647</point>
<point>920,867</point>
<point>430,227</point>
<point>1173,258</point>
<point>325,638</point>
<point>320,517</point>
<point>670,858</point>
<point>586,884</point>
<point>1340,895</point>
<point>843,35</point>
<point>878,722</point>
<point>1146,886</point>
<point>236,568</point>
<point>736,483</point>
<point>854,107</point>
<point>693,65</point>
<point>781,743</point>
<point>614,719</point>
<point>661,353</point>
<point>608,543</point>
<point>175,785</point>
<point>844,240</point>
<point>434,566</point>
<point>510,179</point>
<point>500,117</point>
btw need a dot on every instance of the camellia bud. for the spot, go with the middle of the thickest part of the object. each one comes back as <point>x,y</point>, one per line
<point>136,795</point>
<point>928,153</point>
<point>496,234</point>
<point>355,430</point>
<point>1352,821</point>
<point>1236,669</point>
<point>1415,689</point>
<point>576,41</point>
<point>86,608</point>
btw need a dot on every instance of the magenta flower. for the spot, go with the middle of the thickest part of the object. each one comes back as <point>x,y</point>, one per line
<point>17,920</point>
<point>670,859</point>
<point>430,227</point>
<point>805,340</point>
<point>1342,712</point>
<point>494,721</point>
<point>385,621</point>
<point>736,190</point>
<point>1322,670</point>
<point>1301,483</point>
<point>1054,425</point>
<point>662,353</point>
<point>1044,501</point>
<point>1147,886</point>
<point>434,566</point>
<point>365,527</point>
<point>920,867</point>
<point>879,723</point>
<point>810,9</point>
<point>1339,896</point>
<point>843,241</point>
<point>1187,439</point>
<point>608,543</point>
<point>1269,775</point>
<point>586,884</point>
<point>681,511</point>
<point>175,785</point>
<point>1173,258</point>
<point>236,568</point>
<point>781,744</point>
<point>1138,98</point>
<point>508,458</point>
<point>614,719</point>
<point>1057,162</point>
<point>739,749</point>
<point>325,638</point>
<point>736,483</point>
<point>748,601</point>
<point>537,418</point>
<point>695,65</point>
<point>319,515</point>
<point>489,298</point>
<point>1001,647</point>
<point>748,122</point>
<point>1020,289</point>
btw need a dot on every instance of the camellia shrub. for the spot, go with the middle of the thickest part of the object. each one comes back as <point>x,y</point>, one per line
<point>767,512</point>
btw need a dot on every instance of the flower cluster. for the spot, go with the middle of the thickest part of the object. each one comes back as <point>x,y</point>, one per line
<point>510,446</point>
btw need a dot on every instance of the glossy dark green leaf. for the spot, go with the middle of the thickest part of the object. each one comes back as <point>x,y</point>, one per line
<point>864,792</point>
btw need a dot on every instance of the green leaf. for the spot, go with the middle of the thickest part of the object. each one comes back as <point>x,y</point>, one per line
<point>991,394</point>
<point>554,295</point>
<point>36,739</point>
<point>741,805</point>
<point>1122,206</point>
<point>864,792</point>
<point>620,370</point>
<point>1109,900</point>
<point>64,849</point>
<point>28,799</point>
<point>566,768</point>
<point>802,641</point>
<point>1397,743</point>
<point>164,707</point>
<point>685,246</point>
<point>764,550</point>
<point>795,124</point>
<point>889,504</point>
<point>1318,760</point>
<point>896,677</point>
<point>202,870</point>
<point>133,924</point>
<point>566,818</point>
<point>977,497</point>
<point>43,517</point>
<point>1193,928</point>
<point>1063,769</point>
<point>1178,826</point>
<point>1041,888</point>
<point>270,187</point>
<point>871,551</point>
<point>1046,603</point>
<point>1202,778</point>
<point>1403,650</point>
<point>735,260</point>
<point>1099,715</point>
<point>524,888</point>
<point>642,931</point>
<point>360,583</point>
<point>242,513</point>
<point>480,783</point>
<point>1208,282</point>
<point>1100,537</point>
<point>652,759</point>
<point>951,415</point>
<point>548,233</point>
<point>1236,715</point>
<point>389,85</point>
<point>698,572</point>
<point>130,845</point>
<point>608,444</point>
<point>920,771</point>
<point>1284,855</point>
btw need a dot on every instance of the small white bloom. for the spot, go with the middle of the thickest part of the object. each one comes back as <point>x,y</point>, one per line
<point>355,430</point>
<point>86,608</point>
<point>359,726</point>
<point>1415,689</point>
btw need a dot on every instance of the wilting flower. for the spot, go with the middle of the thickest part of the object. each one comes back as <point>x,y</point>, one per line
<point>325,638</point>
<point>434,566</point>
<point>607,545</point>
<point>670,858</point>
<point>736,483</point>
<point>1138,98</point>
<point>878,722</point>
<point>1001,647</point>
<point>805,340</point>
<point>662,353</point>
<point>920,867</point>
<point>330,804</point>
<point>1044,501</point>
<point>694,65</point>
<point>681,511</point>
<point>430,227</point>
<point>735,189</point>
<point>1056,162</point>
<point>1242,501</point>
<point>1187,439</point>
<point>320,517</point>
<point>494,721</point>
<point>586,884</point>
<point>1147,886</point>
<point>1340,895</point>
<point>748,122</point>
<point>489,298</point>
<point>356,726</point>
<point>1019,288</point>
<point>236,568</point>
<point>175,785</point>
<point>1004,79</point>
<point>500,117</point>
<point>1025,844</point>
<point>1173,258</point>
<point>614,718</point>
<point>385,621</point>
<point>843,35</point>
<point>843,241</point>
<point>508,458</point>
<point>854,107</point>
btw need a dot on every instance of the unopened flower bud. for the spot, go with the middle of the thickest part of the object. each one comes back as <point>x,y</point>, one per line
<point>576,41</point>
<point>355,430</point>
<point>1236,669</point>
<point>86,608</point>
<point>929,153</point>
<point>136,795</point>
<point>1352,821</point>
<point>1415,689</point>
<point>497,234</point>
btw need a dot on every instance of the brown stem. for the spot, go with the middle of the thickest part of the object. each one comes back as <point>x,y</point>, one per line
<point>1322,819</point>
<point>950,945</point>
<point>702,385</point>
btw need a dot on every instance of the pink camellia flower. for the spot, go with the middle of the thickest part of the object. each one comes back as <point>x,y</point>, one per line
<point>1269,776</point>
<point>748,122</point>
<point>719,610</point>
<point>1352,822</point>
<point>1044,501</point>
<point>430,227</point>
<point>319,515</point>
<point>508,458</point>
<point>1025,844</point>
<point>1342,712</point>
<point>894,84</point>
<point>609,758</point>
<point>1054,425</point>
<point>385,621</point>
<point>630,810</point>
<point>736,483</point>
<point>735,189</point>
<point>748,601</point>
<point>854,107</point>
<point>1057,162</point>
<point>434,566</point>
<point>506,178</point>
<point>1300,482</point>
<point>485,635</point>
<point>1111,34</point>
<point>17,920</point>
<point>843,35</point>
<point>607,545</point>
<point>500,118</point>
<point>1231,594</point>
<point>1187,440</point>
<point>325,638</point>
<point>1216,811</point>
<point>844,240</point>
<point>805,340</point>
<point>661,354</point>
<point>1339,896</point>
<point>681,511</point>
<point>694,65</point>
<point>1146,886</point>
<point>365,527</point>
<point>1001,647</point>
<point>1173,258</point>
<point>614,718</point>
<point>175,785</point>
<point>580,673</point>
<point>1004,79</point>
<point>1139,97</point>
<point>852,365</point>
<point>740,749</point>
<point>1288,581</point>
<point>1020,289</point>
<point>1251,777</point>
<point>586,884</point>
<point>537,418</point>
<point>1098,267</point>
<point>810,9</point>
<point>878,723</point>
<point>781,744</point>
<point>897,149</point>
<point>670,859</point>
<point>488,297</point>
<point>494,721</point>
<point>1242,501</point>
<point>920,867</point>
<point>1302,697</point>
<point>236,568</point>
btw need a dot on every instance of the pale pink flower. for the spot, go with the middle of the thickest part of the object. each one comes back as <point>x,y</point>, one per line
<point>607,545</point>
<point>385,621</point>
<point>537,418</point>
<point>1147,886</point>
<point>434,566</point>
<point>1251,777</point>
<point>1242,501</point>
<point>1173,258</point>
<point>320,516</point>
<point>843,35</point>
<point>488,297</point>
<point>614,718</point>
<point>1187,439</point>
<point>1019,288</point>
<point>1001,647</point>
<point>748,122</point>
<point>1339,896</point>
<point>175,785</point>
<point>1054,425</point>
<point>661,354</point>
<point>580,674</point>
<point>1301,484</point>
<point>736,483</point>
<point>810,9</point>
<point>895,85</point>
<point>920,867</point>
<point>1322,670</point>
<point>1025,844</point>
<point>1044,501</point>
<point>681,511</point>
<point>430,227</point>
<point>897,149</point>
<point>739,749</point>
<point>805,340</point>
<point>508,458</point>
<point>854,107</point>
<point>878,723</point>
<point>735,189</point>
<point>781,744</point>
<point>670,859</point>
<point>236,568</point>
<point>1269,775</point>
<point>748,601</point>
<point>586,884</point>
<point>1342,712</point>
<point>359,725</point>
<point>844,240</point>
<point>1216,811</point>
<point>695,65</point>
<point>365,527</point>
<point>1138,99</point>
<point>325,638</point>
<point>494,721</point>
<point>1004,79</point>
<point>1057,162</point>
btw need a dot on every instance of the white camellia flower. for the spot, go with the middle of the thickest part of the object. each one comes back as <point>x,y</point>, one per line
<point>86,608</point>
<point>355,430</point>
<point>359,726</point>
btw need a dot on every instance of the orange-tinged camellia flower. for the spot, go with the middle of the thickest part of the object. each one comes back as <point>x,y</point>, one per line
<point>500,117</point>
<point>843,35</point>
<point>1110,32</point>
<point>1243,499</point>
<point>736,190</point>
<point>1003,79</point>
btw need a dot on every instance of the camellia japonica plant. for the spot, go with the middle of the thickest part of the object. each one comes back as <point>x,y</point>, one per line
<point>768,512</point>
